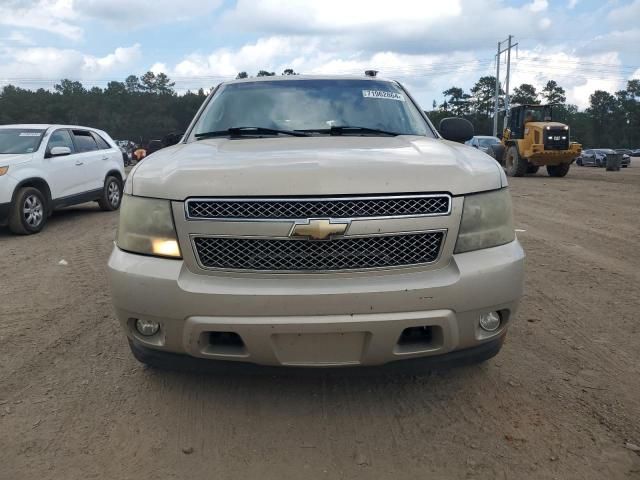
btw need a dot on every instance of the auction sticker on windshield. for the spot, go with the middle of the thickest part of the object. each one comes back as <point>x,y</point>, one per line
<point>383,94</point>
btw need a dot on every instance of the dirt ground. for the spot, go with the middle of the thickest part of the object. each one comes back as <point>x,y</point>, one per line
<point>561,401</point>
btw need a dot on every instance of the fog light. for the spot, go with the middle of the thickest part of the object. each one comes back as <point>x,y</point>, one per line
<point>147,328</point>
<point>490,321</point>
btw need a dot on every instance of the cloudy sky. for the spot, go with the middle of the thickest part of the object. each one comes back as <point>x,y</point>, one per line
<point>429,45</point>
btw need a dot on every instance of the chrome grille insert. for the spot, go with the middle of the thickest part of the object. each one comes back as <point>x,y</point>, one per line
<point>298,208</point>
<point>345,253</point>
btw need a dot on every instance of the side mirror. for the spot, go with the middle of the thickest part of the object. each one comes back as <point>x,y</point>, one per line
<point>59,151</point>
<point>456,129</point>
<point>475,146</point>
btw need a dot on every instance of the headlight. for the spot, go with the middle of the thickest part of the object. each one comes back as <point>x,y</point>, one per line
<point>146,226</point>
<point>487,221</point>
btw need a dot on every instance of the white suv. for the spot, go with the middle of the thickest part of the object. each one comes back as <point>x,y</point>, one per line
<point>316,222</point>
<point>43,167</point>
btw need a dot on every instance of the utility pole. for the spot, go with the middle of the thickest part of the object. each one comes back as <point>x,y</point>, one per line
<point>506,88</point>
<point>497,95</point>
<point>501,50</point>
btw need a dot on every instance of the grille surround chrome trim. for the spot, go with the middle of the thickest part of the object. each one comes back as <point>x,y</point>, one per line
<point>190,218</point>
<point>437,258</point>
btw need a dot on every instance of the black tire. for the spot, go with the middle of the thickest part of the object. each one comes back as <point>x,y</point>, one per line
<point>514,164</point>
<point>625,166</point>
<point>111,194</point>
<point>558,170</point>
<point>497,152</point>
<point>579,162</point>
<point>531,169</point>
<point>28,213</point>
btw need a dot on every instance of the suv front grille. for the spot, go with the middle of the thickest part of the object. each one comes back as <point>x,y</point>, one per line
<point>346,253</point>
<point>299,208</point>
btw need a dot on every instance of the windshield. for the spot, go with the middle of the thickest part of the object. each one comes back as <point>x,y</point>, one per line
<point>313,106</point>
<point>537,114</point>
<point>20,140</point>
<point>485,142</point>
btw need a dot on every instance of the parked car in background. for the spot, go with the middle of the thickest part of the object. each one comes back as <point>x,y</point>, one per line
<point>590,158</point>
<point>127,147</point>
<point>482,142</point>
<point>154,146</point>
<point>624,151</point>
<point>635,153</point>
<point>44,167</point>
<point>597,157</point>
<point>624,162</point>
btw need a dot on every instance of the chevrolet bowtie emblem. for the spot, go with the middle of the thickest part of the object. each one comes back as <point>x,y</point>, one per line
<point>318,229</point>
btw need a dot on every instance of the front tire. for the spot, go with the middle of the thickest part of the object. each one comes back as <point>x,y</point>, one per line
<point>558,170</point>
<point>497,152</point>
<point>515,165</point>
<point>28,213</point>
<point>111,194</point>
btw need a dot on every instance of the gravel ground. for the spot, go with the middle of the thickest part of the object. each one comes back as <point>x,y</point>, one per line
<point>561,401</point>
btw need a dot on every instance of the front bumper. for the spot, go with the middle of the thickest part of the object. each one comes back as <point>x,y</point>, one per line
<point>538,156</point>
<point>319,320</point>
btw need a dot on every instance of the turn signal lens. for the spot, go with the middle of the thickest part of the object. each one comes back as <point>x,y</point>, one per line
<point>3,170</point>
<point>166,248</point>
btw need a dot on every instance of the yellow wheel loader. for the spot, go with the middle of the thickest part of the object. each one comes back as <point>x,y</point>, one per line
<point>531,140</point>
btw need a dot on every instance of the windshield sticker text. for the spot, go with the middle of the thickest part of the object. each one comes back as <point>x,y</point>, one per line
<point>382,94</point>
<point>29,134</point>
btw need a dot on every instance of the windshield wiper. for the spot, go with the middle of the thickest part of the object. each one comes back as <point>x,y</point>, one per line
<point>349,130</point>
<point>239,131</point>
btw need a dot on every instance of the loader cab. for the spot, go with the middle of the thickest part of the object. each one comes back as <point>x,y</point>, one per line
<point>520,115</point>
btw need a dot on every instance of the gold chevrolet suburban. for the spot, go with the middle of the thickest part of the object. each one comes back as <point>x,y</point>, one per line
<point>316,222</point>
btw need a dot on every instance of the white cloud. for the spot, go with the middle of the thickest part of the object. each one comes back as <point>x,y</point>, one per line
<point>406,26</point>
<point>580,76</point>
<point>625,16</point>
<point>54,16</point>
<point>538,5</point>
<point>421,72</point>
<point>314,16</point>
<point>19,38</point>
<point>544,23</point>
<point>143,13</point>
<point>159,67</point>
<point>626,41</point>
<point>122,56</point>
<point>429,46</point>
<point>52,63</point>
<point>67,17</point>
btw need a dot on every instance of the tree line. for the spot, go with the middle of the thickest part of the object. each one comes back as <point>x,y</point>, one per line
<point>148,107</point>
<point>611,119</point>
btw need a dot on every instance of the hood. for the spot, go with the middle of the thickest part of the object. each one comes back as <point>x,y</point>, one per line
<point>6,160</point>
<point>285,166</point>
